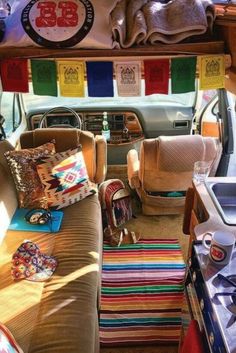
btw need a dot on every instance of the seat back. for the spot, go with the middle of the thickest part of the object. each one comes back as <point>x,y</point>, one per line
<point>8,196</point>
<point>166,163</point>
<point>93,148</point>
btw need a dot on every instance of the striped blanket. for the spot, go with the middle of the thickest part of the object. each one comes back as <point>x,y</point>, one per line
<point>142,293</point>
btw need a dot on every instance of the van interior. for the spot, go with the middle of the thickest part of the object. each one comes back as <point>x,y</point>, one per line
<point>118,176</point>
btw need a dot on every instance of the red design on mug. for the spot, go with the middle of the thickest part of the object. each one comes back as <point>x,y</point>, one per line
<point>217,253</point>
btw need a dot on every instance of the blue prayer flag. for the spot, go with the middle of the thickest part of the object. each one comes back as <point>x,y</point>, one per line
<point>100,78</point>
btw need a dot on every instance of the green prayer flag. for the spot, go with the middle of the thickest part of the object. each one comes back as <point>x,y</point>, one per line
<point>183,71</point>
<point>44,77</point>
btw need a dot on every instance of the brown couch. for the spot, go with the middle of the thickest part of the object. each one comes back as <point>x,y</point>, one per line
<point>60,314</point>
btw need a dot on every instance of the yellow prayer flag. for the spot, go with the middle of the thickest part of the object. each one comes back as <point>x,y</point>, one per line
<point>211,72</point>
<point>71,78</point>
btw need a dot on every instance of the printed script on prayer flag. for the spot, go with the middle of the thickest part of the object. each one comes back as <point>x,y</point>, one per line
<point>128,78</point>
<point>211,72</point>
<point>71,78</point>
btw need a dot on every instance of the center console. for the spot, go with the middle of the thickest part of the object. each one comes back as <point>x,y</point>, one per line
<point>124,125</point>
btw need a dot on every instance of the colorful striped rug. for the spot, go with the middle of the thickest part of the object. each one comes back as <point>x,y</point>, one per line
<point>142,293</point>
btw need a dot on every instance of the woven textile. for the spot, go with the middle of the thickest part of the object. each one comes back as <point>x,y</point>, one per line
<point>65,178</point>
<point>142,293</point>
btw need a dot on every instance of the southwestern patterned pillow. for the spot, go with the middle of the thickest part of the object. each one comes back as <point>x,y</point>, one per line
<point>22,164</point>
<point>65,178</point>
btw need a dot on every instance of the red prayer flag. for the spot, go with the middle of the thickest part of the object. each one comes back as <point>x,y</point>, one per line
<point>156,76</point>
<point>14,75</point>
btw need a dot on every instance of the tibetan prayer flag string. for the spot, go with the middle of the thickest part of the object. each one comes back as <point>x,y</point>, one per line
<point>44,77</point>
<point>128,78</point>
<point>14,75</point>
<point>211,72</point>
<point>71,78</point>
<point>156,76</point>
<point>183,72</point>
<point>100,78</point>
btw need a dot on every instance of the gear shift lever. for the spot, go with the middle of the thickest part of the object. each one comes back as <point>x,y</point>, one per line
<point>125,134</point>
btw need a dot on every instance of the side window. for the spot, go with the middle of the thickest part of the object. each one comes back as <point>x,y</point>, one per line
<point>209,123</point>
<point>10,110</point>
<point>207,97</point>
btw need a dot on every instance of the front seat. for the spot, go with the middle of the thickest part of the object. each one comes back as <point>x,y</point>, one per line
<point>94,148</point>
<point>163,172</point>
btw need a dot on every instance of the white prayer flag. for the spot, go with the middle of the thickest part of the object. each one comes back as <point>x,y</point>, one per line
<point>128,78</point>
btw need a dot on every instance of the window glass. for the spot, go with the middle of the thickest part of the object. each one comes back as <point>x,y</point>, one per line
<point>207,97</point>
<point>10,110</point>
<point>32,101</point>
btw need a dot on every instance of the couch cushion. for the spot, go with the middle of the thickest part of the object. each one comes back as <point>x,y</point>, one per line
<point>59,315</point>
<point>20,300</point>
<point>8,194</point>
<point>8,199</point>
<point>67,320</point>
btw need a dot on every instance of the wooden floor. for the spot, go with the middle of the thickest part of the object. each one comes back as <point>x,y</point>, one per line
<point>154,227</point>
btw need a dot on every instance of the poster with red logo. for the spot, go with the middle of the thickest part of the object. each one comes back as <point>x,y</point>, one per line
<point>57,23</point>
<point>60,24</point>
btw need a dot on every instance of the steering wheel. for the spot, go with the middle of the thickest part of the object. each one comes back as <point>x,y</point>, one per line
<point>56,109</point>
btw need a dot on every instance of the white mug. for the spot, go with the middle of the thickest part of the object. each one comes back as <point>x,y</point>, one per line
<point>221,246</point>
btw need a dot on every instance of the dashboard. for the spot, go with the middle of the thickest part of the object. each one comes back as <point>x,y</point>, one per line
<point>118,121</point>
<point>129,124</point>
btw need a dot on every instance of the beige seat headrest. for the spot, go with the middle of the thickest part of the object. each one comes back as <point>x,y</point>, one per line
<point>170,155</point>
<point>64,138</point>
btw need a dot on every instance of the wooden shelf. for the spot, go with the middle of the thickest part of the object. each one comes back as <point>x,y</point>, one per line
<point>208,47</point>
<point>229,21</point>
<point>225,13</point>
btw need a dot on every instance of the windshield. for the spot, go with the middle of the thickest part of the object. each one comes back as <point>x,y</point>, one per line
<point>32,101</point>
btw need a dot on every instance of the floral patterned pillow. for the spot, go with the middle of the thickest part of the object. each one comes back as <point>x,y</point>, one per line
<point>65,178</point>
<point>22,164</point>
